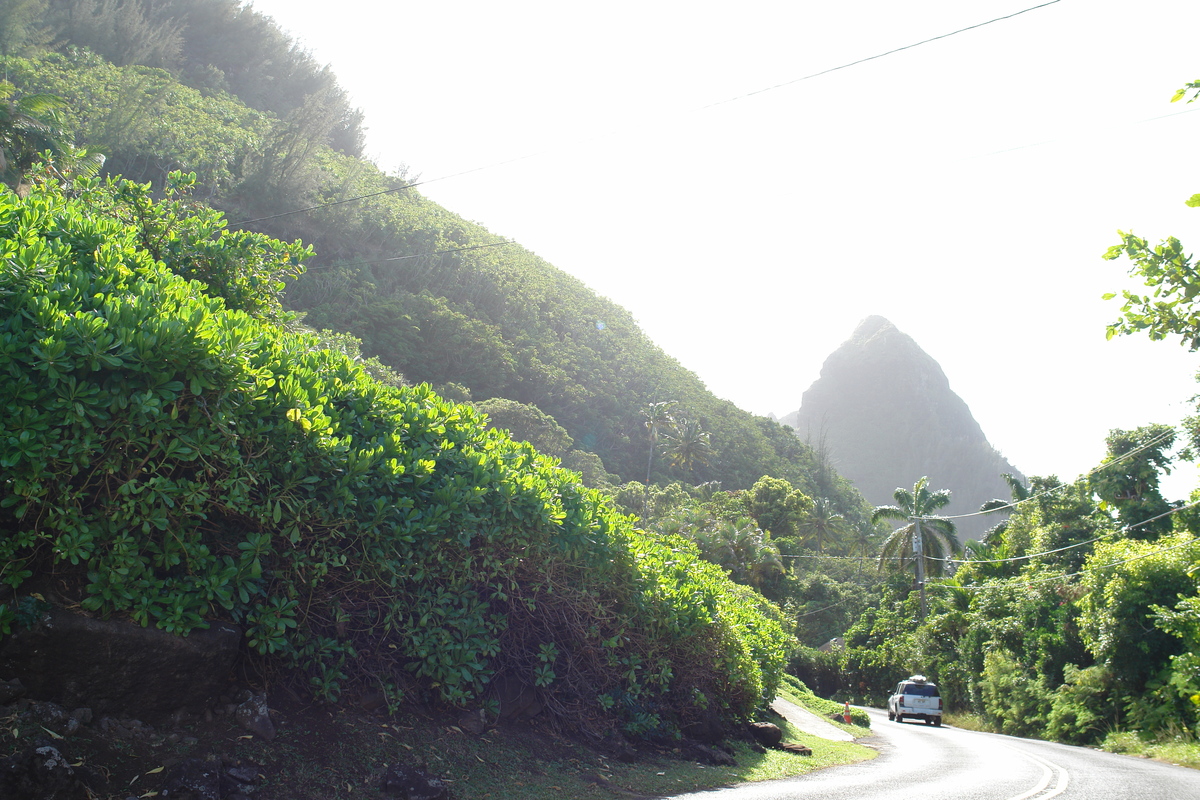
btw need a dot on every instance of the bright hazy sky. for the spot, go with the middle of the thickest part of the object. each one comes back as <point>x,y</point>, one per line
<point>964,189</point>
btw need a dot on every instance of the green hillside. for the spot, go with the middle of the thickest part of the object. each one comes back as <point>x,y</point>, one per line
<point>175,460</point>
<point>203,421</point>
<point>437,298</point>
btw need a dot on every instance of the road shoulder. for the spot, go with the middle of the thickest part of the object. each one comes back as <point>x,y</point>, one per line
<point>809,722</point>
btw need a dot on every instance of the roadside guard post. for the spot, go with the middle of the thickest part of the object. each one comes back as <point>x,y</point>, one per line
<point>846,713</point>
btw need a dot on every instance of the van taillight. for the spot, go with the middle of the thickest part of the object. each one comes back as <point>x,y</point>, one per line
<point>939,704</point>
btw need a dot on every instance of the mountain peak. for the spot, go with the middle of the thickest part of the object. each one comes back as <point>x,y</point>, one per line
<point>872,326</point>
<point>885,411</point>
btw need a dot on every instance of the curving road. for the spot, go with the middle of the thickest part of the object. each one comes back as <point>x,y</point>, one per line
<point>921,761</point>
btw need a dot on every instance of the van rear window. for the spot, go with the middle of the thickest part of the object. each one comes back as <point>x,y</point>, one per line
<point>921,689</point>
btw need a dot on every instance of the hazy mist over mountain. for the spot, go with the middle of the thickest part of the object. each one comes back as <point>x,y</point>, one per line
<point>886,413</point>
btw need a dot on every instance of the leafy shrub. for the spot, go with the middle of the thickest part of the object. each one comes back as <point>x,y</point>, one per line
<point>1014,699</point>
<point>1119,607</point>
<point>175,461</point>
<point>1084,706</point>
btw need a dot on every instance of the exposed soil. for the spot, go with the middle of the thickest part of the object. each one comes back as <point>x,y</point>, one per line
<point>325,752</point>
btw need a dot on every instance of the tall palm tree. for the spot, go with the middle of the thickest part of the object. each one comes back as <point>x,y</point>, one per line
<point>27,129</point>
<point>823,525</point>
<point>687,444</point>
<point>934,535</point>
<point>656,417</point>
<point>860,543</point>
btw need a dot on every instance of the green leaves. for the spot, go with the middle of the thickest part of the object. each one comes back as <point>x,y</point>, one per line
<point>182,461</point>
<point>1181,93</point>
<point>1170,275</point>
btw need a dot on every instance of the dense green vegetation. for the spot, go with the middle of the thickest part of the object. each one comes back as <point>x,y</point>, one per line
<point>204,421</point>
<point>387,527</point>
<point>436,298</point>
<point>174,458</point>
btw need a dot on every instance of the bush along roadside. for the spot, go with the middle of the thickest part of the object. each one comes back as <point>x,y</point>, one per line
<point>176,461</point>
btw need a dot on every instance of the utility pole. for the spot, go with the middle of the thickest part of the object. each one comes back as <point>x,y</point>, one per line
<point>919,557</point>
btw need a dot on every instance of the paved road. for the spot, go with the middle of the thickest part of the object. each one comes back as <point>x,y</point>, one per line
<point>921,761</point>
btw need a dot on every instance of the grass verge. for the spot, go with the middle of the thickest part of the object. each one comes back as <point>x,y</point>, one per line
<point>966,721</point>
<point>794,690</point>
<point>1181,750</point>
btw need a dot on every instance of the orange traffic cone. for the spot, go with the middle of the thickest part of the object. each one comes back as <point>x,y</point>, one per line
<point>846,713</point>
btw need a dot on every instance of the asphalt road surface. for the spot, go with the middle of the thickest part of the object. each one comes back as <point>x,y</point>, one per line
<point>920,761</point>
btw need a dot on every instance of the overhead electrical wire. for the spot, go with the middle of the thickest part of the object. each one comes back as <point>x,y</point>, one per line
<point>698,109</point>
<point>841,602</point>
<point>877,56</point>
<point>1029,556</point>
<point>727,101</point>
<point>1058,578</point>
<point>1123,457</point>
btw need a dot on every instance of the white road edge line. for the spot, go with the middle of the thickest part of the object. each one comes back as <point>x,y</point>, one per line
<point>1041,785</point>
<point>1048,769</point>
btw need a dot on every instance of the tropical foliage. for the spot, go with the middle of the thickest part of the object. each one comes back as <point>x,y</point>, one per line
<point>1077,617</point>
<point>176,459</point>
<point>926,536</point>
<point>28,128</point>
<point>206,419</point>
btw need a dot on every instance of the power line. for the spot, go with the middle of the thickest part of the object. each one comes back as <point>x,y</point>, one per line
<point>841,602</point>
<point>1052,578</point>
<point>877,56</point>
<point>1029,556</point>
<point>1123,457</point>
<point>699,109</point>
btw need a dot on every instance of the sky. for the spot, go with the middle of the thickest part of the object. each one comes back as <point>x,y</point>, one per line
<point>752,179</point>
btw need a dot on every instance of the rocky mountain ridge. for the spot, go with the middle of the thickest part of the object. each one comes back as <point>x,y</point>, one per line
<point>886,413</point>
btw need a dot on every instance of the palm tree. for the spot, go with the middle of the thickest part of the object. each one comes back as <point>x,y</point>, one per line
<point>823,524</point>
<point>742,548</point>
<point>993,558</point>
<point>27,129</point>
<point>861,543</point>
<point>687,444</point>
<point>656,417</point>
<point>926,539</point>
<point>1020,493</point>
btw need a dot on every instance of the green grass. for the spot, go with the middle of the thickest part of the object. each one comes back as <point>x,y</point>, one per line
<point>965,720</point>
<point>1183,750</point>
<point>793,690</point>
